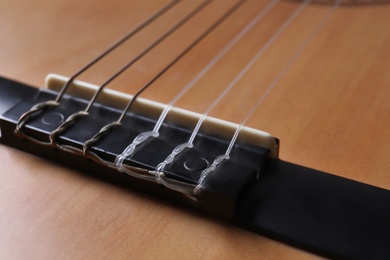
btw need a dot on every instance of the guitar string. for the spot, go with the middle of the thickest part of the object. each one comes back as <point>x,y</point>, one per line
<point>155,132</point>
<point>116,45</point>
<point>184,187</point>
<point>210,109</point>
<point>72,118</point>
<point>188,189</point>
<point>108,127</point>
<point>180,148</point>
<point>284,70</point>
<point>51,103</point>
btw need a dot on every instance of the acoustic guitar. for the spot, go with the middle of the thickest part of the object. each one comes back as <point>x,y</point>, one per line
<point>314,75</point>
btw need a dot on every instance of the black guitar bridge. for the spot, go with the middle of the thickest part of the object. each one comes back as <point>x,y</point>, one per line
<point>218,194</point>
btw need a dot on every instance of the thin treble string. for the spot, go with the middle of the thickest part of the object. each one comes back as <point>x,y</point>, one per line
<point>219,159</point>
<point>320,25</point>
<point>180,148</point>
<point>226,156</point>
<point>215,59</point>
<point>248,66</point>
<point>146,50</point>
<point>272,85</point>
<point>116,45</point>
<point>127,152</point>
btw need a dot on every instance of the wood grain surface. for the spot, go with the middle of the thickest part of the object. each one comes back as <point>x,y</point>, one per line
<point>331,111</point>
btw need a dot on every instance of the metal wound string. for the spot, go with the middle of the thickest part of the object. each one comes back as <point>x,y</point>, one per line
<point>117,44</point>
<point>71,119</point>
<point>155,132</point>
<point>160,167</point>
<point>149,48</point>
<point>288,65</point>
<point>39,107</point>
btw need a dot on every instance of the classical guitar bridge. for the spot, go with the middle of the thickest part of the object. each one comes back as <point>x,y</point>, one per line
<point>212,181</point>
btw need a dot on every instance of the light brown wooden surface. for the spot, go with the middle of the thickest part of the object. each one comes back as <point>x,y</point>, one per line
<point>331,111</point>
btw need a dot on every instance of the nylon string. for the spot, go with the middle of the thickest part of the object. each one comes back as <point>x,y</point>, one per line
<point>287,66</point>
<point>180,148</point>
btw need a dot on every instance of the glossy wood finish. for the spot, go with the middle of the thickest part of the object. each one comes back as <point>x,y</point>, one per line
<point>331,111</point>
